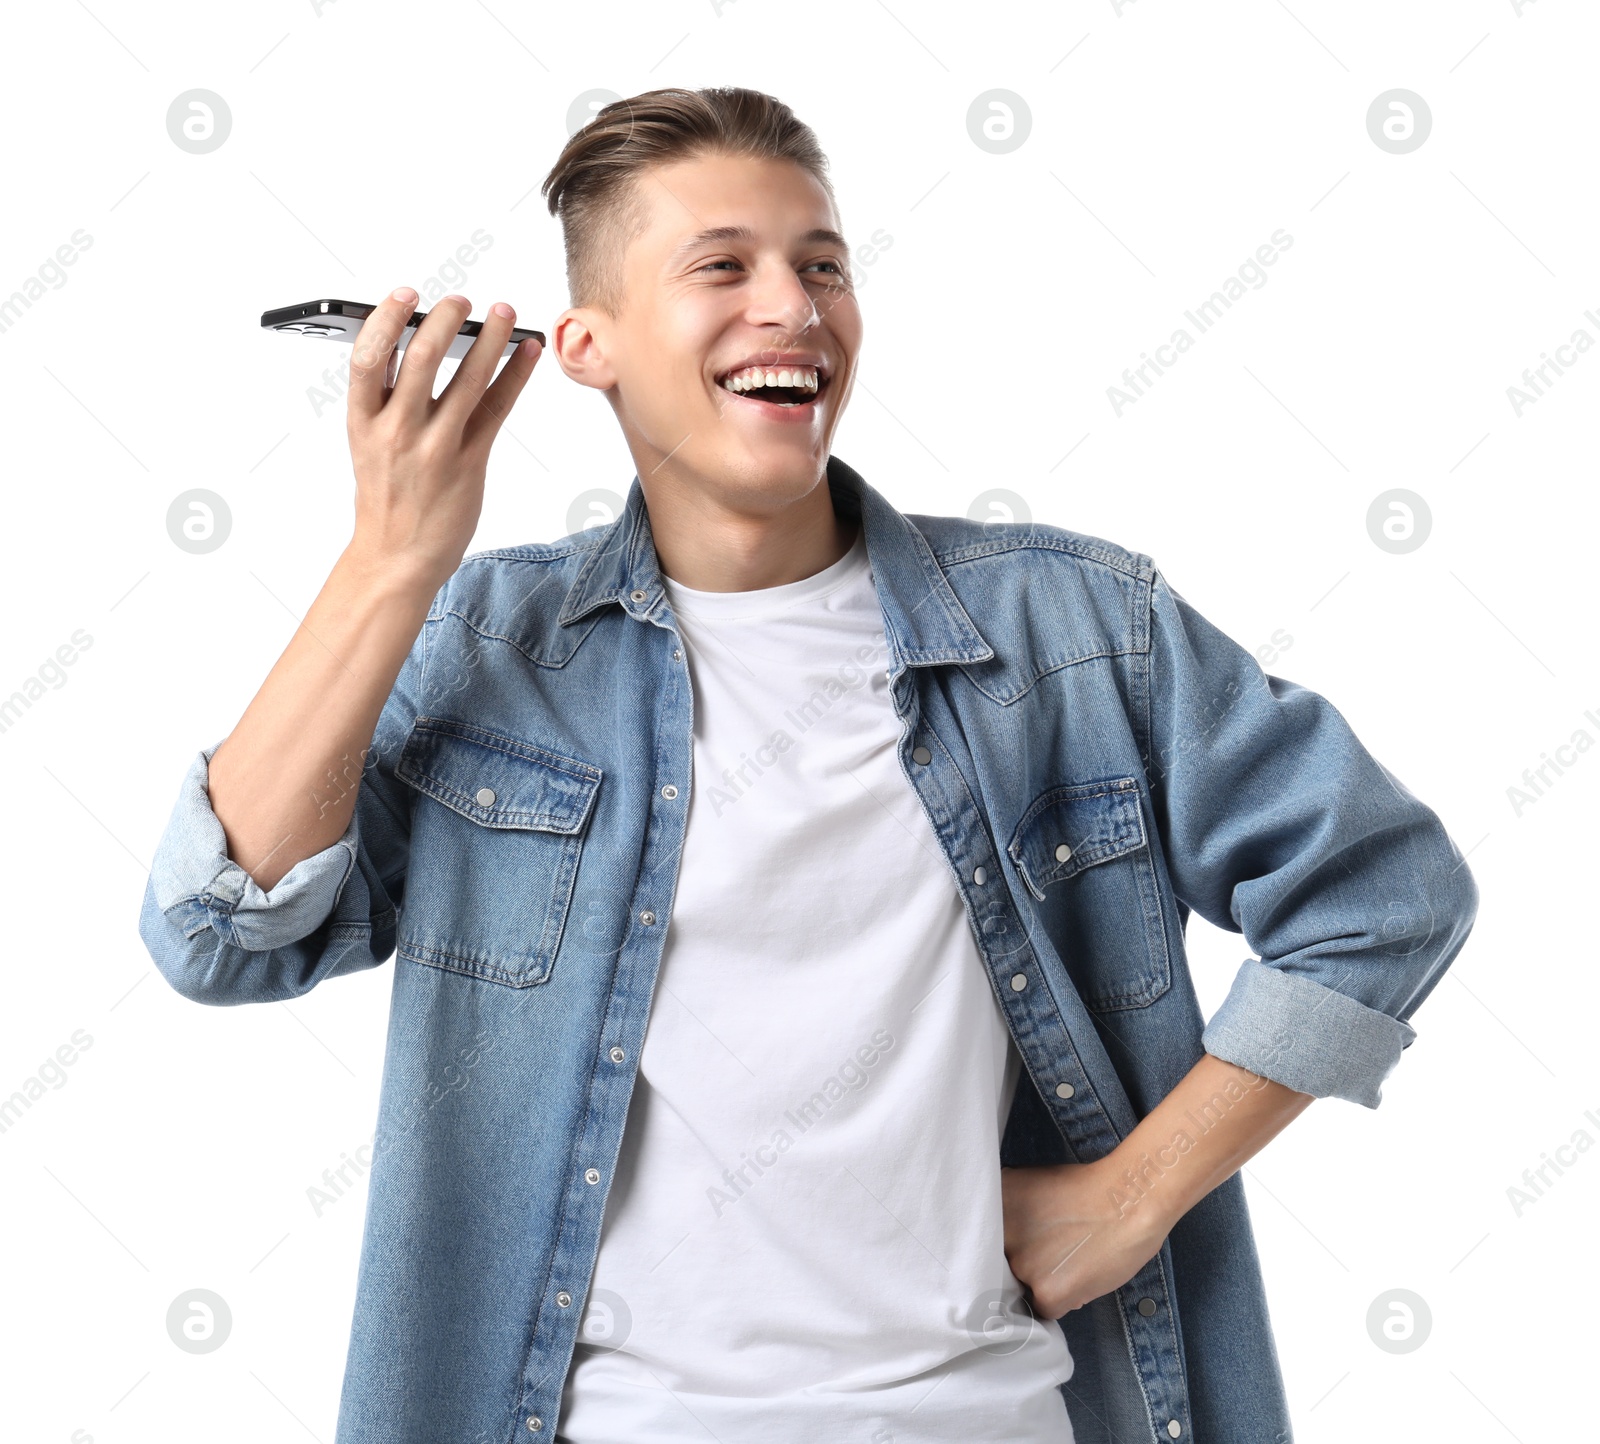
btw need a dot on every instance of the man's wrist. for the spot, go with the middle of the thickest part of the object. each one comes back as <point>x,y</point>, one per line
<point>1140,1188</point>
<point>401,575</point>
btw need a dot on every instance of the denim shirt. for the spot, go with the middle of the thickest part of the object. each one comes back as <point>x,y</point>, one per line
<point>1096,760</point>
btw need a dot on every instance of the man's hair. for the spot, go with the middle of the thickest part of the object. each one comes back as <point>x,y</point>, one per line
<point>594,184</point>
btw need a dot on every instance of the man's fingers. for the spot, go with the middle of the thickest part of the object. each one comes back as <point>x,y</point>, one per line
<point>459,399</point>
<point>502,396</point>
<point>374,349</point>
<point>413,388</point>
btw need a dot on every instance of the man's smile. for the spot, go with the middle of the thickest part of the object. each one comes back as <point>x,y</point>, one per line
<point>786,388</point>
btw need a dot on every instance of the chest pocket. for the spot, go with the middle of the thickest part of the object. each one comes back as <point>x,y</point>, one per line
<point>493,863</point>
<point>1084,854</point>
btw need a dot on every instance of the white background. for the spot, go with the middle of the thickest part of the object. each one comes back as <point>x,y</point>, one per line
<point>1167,142</point>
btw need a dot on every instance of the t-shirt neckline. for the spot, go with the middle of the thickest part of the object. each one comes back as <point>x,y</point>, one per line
<point>767,601</point>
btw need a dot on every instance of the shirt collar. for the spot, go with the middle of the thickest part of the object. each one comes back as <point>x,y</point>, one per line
<point>924,621</point>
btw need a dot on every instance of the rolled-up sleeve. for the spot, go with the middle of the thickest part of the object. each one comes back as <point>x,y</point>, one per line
<point>218,937</point>
<point>1277,823</point>
<point>192,867</point>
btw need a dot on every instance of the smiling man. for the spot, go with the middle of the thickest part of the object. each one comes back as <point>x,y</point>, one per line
<point>791,1035</point>
<point>716,315</point>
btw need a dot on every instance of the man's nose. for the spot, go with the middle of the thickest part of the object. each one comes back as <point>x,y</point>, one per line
<point>780,298</point>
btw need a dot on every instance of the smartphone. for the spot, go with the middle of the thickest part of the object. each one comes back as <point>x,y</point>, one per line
<point>340,320</point>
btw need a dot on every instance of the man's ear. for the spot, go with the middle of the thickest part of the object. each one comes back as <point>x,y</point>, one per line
<point>578,341</point>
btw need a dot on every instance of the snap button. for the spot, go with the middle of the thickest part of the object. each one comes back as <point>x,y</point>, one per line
<point>1063,853</point>
<point>617,1055</point>
<point>921,756</point>
<point>647,917</point>
<point>1174,1428</point>
<point>979,876</point>
<point>677,654</point>
<point>1018,982</point>
<point>535,1423</point>
<point>592,1175</point>
<point>485,797</point>
<point>638,596</point>
<point>564,1299</point>
<point>669,792</point>
<point>1065,1090</point>
<point>1147,1307</point>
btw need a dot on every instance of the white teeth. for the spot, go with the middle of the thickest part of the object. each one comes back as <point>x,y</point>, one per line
<point>751,378</point>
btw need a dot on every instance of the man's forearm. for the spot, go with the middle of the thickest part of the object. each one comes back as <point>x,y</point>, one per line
<point>1216,1119</point>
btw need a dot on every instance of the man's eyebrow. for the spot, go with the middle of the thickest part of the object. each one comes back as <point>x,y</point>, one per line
<point>821,235</point>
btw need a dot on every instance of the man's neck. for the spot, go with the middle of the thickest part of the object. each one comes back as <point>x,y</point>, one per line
<point>708,546</point>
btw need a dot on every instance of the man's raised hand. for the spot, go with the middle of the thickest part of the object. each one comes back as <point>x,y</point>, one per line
<point>419,461</point>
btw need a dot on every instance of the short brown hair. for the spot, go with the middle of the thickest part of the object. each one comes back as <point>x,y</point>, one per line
<point>591,186</point>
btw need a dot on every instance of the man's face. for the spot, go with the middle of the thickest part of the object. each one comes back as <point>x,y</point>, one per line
<point>766,293</point>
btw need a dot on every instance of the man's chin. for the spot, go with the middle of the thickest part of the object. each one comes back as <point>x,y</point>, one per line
<point>779,465</point>
<point>773,471</point>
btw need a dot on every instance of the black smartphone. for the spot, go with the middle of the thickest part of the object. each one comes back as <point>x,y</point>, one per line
<point>340,320</point>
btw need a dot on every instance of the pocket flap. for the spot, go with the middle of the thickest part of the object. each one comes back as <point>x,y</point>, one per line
<point>1073,827</point>
<point>496,780</point>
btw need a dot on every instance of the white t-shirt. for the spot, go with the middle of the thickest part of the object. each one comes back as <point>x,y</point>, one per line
<point>803,1240</point>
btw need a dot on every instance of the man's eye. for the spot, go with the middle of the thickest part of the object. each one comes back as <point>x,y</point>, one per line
<point>712,265</point>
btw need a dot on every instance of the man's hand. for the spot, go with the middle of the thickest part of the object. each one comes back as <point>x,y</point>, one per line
<point>419,467</point>
<point>1065,1238</point>
<point>1075,1231</point>
<point>420,462</point>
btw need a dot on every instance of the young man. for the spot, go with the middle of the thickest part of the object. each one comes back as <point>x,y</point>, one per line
<point>791,1036</point>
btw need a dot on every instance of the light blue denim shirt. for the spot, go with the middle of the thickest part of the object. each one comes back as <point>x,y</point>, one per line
<point>1096,760</point>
